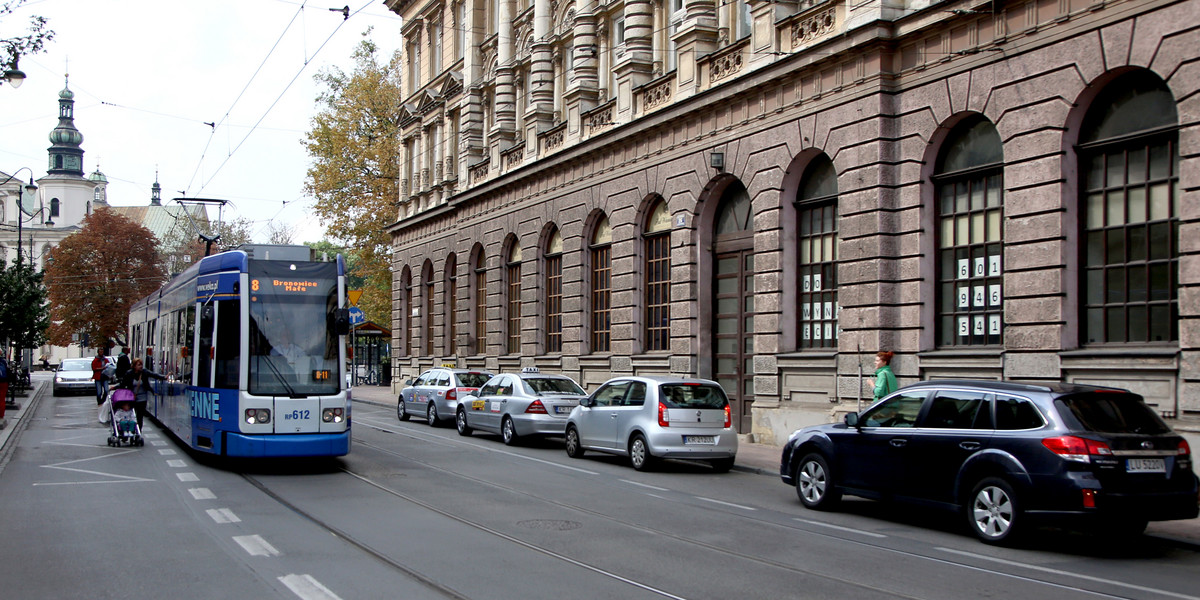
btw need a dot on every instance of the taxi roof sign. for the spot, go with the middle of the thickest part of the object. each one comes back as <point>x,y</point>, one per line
<point>353,296</point>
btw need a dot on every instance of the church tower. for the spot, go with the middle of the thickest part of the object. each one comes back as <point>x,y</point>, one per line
<point>66,155</point>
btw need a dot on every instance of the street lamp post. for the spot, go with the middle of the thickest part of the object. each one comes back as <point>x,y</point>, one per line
<point>14,76</point>
<point>30,189</point>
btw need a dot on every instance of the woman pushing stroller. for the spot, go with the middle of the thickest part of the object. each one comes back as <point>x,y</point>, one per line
<point>137,379</point>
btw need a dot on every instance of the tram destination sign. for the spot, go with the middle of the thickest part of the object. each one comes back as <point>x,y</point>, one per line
<point>289,287</point>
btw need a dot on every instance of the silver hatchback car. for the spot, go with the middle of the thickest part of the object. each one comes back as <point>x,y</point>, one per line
<point>521,404</point>
<point>435,394</point>
<point>651,418</point>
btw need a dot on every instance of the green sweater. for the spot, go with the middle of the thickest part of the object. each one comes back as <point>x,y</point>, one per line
<point>885,381</point>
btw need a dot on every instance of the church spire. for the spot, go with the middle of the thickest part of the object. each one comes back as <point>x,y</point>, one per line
<point>156,191</point>
<point>66,155</point>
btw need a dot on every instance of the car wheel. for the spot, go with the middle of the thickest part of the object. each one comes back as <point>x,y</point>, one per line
<point>401,410</point>
<point>815,484</point>
<point>460,422</point>
<point>993,511</point>
<point>574,448</point>
<point>431,415</point>
<point>508,431</point>
<point>639,454</point>
<point>722,465</point>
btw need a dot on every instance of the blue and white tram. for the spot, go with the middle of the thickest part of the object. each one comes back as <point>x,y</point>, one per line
<point>254,354</point>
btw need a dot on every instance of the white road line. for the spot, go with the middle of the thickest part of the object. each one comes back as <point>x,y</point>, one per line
<point>176,463</point>
<point>1013,563</point>
<point>202,494</point>
<point>166,452</point>
<point>724,503</point>
<point>308,588</point>
<point>255,545</point>
<point>223,515</point>
<point>840,528</point>
<point>114,478</point>
<point>187,477</point>
<point>158,443</point>
<point>646,485</point>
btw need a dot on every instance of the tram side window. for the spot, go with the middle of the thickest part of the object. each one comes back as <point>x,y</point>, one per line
<point>204,351</point>
<point>228,342</point>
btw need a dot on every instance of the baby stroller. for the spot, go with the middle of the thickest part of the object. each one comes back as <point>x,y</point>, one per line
<point>124,431</point>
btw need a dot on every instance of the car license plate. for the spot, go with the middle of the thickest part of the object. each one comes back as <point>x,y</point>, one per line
<point>1145,465</point>
<point>563,410</point>
<point>699,440</point>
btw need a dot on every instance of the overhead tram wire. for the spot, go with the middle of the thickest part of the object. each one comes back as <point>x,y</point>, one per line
<point>299,72</point>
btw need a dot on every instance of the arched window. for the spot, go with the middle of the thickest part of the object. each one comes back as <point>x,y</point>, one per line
<point>479,293</point>
<point>816,208</point>
<point>427,316</point>
<point>406,314</point>
<point>554,292</point>
<point>600,250</point>
<point>512,272</point>
<point>451,305</point>
<point>54,207</point>
<point>970,196</point>
<point>1129,165</point>
<point>657,239</point>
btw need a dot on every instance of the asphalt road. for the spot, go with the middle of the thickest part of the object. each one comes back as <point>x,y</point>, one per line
<point>415,512</point>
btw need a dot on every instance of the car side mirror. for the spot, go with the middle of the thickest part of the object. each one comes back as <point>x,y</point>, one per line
<point>852,419</point>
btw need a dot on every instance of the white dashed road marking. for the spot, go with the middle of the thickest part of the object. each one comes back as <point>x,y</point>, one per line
<point>840,528</point>
<point>176,463</point>
<point>202,494</point>
<point>255,545</point>
<point>187,477</point>
<point>723,503</point>
<point>308,588</point>
<point>167,452</point>
<point>223,515</point>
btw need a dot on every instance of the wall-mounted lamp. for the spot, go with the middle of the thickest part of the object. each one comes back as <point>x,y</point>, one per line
<point>716,160</point>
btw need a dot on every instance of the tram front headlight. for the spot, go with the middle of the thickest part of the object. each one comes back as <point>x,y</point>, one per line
<point>258,416</point>
<point>333,415</point>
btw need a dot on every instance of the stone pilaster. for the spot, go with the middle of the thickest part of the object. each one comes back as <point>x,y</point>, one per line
<point>635,66</point>
<point>697,36</point>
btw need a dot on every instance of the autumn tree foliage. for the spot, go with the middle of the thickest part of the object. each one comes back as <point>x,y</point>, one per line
<point>354,145</point>
<point>96,274</point>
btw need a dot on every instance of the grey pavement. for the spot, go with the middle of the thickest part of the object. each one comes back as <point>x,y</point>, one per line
<point>762,459</point>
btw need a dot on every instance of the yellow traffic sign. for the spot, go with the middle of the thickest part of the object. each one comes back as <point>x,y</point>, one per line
<point>353,296</point>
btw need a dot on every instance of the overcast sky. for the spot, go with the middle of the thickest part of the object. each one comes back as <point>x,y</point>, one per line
<point>149,74</point>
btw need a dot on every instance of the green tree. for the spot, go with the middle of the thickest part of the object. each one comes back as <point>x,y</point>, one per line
<point>24,314</point>
<point>354,144</point>
<point>25,45</point>
<point>96,274</point>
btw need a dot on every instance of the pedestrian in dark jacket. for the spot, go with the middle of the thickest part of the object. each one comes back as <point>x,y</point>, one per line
<point>123,364</point>
<point>137,379</point>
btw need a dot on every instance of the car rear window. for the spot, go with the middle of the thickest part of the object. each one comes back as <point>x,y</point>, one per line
<point>678,395</point>
<point>473,379</point>
<point>552,385</point>
<point>1112,412</point>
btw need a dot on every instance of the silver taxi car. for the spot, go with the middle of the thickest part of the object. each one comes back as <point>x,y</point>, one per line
<point>516,405</point>
<point>651,418</point>
<point>73,375</point>
<point>435,394</point>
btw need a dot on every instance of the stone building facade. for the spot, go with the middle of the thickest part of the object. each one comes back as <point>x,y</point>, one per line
<point>766,193</point>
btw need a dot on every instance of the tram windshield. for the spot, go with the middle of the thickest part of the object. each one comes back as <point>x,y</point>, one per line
<point>293,341</point>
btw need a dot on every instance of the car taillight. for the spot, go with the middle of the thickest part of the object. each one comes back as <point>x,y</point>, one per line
<point>728,416</point>
<point>1076,448</point>
<point>1089,498</point>
<point>664,417</point>
<point>1184,449</point>
<point>452,394</point>
<point>537,408</point>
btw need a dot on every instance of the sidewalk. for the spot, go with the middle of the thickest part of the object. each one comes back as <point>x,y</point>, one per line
<point>14,418</point>
<point>764,459</point>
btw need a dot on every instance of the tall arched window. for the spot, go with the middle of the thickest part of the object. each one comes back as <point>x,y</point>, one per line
<point>970,245</point>
<point>451,305</point>
<point>54,204</point>
<point>427,317</point>
<point>600,250</point>
<point>512,273</point>
<point>406,313</point>
<point>1129,165</point>
<point>479,293</point>
<point>658,277</point>
<point>554,292</point>
<point>816,208</point>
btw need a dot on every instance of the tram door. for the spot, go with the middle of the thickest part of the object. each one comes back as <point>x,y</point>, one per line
<point>733,305</point>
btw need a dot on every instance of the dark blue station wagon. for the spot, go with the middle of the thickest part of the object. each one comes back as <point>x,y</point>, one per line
<point>1004,454</point>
